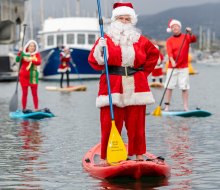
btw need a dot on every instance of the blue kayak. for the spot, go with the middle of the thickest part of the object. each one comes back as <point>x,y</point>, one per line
<point>190,113</point>
<point>32,115</point>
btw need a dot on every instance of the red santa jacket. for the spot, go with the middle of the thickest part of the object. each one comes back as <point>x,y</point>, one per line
<point>173,46</point>
<point>65,62</point>
<point>28,73</point>
<point>131,90</point>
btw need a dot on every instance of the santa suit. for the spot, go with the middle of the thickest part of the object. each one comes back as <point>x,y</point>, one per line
<point>28,74</point>
<point>65,60</point>
<point>158,70</point>
<point>130,94</point>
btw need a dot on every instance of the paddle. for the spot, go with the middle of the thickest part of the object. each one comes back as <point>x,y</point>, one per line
<point>13,105</point>
<point>76,70</point>
<point>116,150</point>
<point>157,111</point>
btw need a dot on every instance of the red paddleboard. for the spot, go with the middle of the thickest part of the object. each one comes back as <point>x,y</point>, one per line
<point>152,166</point>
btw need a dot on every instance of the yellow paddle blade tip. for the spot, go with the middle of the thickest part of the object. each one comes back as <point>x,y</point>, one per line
<point>157,111</point>
<point>116,150</point>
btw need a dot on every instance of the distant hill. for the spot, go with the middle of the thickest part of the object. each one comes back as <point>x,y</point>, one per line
<point>206,15</point>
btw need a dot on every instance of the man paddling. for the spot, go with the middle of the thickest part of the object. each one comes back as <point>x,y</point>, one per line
<point>131,58</point>
<point>177,72</point>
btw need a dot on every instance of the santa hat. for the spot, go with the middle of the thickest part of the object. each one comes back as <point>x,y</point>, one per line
<point>26,47</point>
<point>124,9</point>
<point>171,23</point>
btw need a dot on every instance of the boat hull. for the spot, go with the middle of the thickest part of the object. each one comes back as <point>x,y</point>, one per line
<point>51,61</point>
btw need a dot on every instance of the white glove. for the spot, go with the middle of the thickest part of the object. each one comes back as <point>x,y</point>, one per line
<point>189,30</point>
<point>98,52</point>
<point>102,43</point>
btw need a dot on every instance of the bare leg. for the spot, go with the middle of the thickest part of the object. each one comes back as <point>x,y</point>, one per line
<point>185,95</point>
<point>139,157</point>
<point>168,98</point>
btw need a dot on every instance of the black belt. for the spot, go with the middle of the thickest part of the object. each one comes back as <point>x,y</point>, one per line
<point>124,71</point>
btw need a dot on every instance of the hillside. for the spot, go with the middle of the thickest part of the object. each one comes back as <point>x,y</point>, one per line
<point>206,15</point>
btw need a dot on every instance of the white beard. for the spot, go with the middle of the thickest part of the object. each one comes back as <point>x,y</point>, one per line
<point>123,34</point>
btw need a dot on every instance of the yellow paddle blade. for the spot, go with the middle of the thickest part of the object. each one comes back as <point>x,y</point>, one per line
<point>116,150</point>
<point>157,111</point>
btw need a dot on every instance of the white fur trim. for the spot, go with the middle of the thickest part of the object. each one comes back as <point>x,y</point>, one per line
<point>175,22</point>
<point>124,10</point>
<point>98,55</point>
<point>128,55</point>
<point>129,96</point>
<point>172,23</point>
<point>65,55</point>
<point>141,98</point>
<point>26,46</point>
<point>169,30</point>
<point>64,70</point>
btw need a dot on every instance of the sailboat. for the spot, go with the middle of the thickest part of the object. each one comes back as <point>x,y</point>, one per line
<point>78,34</point>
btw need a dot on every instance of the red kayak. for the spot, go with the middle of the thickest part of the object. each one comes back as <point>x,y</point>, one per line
<point>152,166</point>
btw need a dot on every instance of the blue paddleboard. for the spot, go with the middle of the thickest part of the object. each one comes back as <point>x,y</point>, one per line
<point>190,113</point>
<point>33,115</point>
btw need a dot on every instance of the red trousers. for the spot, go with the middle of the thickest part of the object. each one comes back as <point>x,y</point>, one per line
<point>133,117</point>
<point>25,95</point>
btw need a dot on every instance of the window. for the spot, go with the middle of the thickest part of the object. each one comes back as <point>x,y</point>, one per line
<point>70,39</point>
<point>91,38</point>
<point>59,40</point>
<point>50,40</point>
<point>81,38</point>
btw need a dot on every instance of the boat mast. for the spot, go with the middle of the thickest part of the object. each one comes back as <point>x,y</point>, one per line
<point>77,8</point>
<point>42,12</point>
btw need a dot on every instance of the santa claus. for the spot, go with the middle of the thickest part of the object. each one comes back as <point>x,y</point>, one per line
<point>64,66</point>
<point>131,58</point>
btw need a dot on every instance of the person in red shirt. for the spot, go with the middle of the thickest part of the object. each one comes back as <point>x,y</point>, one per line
<point>64,66</point>
<point>177,50</point>
<point>28,74</point>
<point>131,58</point>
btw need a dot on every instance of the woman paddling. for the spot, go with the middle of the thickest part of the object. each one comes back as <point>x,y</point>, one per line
<point>28,74</point>
<point>64,66</point>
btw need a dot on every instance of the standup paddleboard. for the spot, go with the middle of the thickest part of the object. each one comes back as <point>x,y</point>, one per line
<point>190,113</point>
<point>32,115</point>
<point>66,89</point>
<point>152,166</point>
<point>156,84</point>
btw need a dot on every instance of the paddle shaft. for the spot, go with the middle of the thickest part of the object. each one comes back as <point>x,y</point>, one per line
<point>105,60</point>
<point>173,69</point>
<point>22,44</point>
<point>14,100</point>
<point>77,72</point>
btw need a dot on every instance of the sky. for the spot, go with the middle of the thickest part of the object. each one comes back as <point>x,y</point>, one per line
<point>142,7</point>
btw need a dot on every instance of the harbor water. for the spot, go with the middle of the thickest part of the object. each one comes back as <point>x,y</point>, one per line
<point>47,154</point>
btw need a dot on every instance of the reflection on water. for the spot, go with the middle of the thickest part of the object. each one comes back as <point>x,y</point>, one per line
<point>179,144</point>
<point>144,183</point>
<point>32,139</point>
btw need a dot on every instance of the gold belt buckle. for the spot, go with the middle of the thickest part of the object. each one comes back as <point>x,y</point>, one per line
<point>126,71</point>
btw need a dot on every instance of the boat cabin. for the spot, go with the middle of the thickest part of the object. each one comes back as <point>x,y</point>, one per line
<point>75,32</point>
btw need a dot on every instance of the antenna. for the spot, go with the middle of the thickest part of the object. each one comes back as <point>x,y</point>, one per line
<point>77,8</point>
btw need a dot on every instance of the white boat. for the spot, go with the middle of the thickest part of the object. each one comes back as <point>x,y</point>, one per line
<point>79,34</point>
